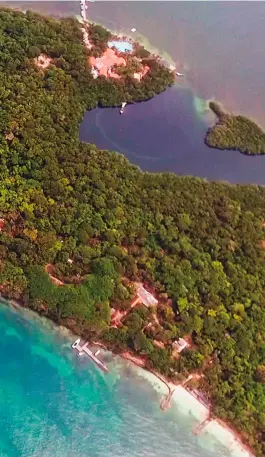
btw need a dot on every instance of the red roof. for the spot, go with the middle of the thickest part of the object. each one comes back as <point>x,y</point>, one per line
<point>106,61</point>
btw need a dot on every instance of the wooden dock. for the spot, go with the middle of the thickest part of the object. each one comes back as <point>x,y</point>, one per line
<point>84,349</point>
<point>165,403</point>
<point>201,426</point>
<point>83,8</point>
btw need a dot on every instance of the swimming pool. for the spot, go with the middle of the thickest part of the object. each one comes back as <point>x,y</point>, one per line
<point>121,46</point>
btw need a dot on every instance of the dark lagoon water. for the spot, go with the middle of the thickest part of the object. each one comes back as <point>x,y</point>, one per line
<point>167,134</point>
<point>54,404</point>
<point>220,48</point>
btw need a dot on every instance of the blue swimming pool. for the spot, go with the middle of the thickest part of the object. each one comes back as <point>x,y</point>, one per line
<point>121,46</point>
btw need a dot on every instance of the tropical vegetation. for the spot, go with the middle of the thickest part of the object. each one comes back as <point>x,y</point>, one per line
<point>96,223</point>
<point>235,132</point>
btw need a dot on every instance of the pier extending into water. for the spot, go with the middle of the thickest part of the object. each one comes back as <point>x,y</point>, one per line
<point>201,426</point>
<point>83,8</point>
<point>166,400</point>
<point>84,349</point>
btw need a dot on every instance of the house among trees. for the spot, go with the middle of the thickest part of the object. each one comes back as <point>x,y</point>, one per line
<point>145,297</point>
<point>43,61</point>
<point>139,76</point>
<point>180,344</point>
<point>103,65</point>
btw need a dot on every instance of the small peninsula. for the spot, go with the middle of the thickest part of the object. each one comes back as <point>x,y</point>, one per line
<point>122,70</point>
<point>235,132</point>
<point>167,268</point>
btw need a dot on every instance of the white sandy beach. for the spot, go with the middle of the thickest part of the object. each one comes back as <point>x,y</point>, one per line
<point>228,438</point>
<point>185,402</point>
<point>182,399</point>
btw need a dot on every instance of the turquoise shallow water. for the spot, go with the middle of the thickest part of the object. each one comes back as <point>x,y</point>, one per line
<point>54,404</point>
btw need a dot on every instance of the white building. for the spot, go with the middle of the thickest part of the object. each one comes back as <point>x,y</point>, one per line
<point>180,344</point>
<point>145,297</point>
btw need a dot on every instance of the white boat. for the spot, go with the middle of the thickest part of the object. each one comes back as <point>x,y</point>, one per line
<point>97,352</point>
<point>179,74</point>
<point>76,343</point>
<point>133,29</point>
<point>122,107</point>
<point>80,353</point>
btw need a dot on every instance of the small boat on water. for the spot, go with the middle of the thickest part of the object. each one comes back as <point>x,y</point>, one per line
<point>76,343</point>
<point>84,349</point>
<point>97,352</point>
<point>122,107</point>
<point>179,74</point>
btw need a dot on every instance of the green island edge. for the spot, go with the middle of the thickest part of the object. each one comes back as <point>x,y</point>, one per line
<point>198,245</point>
<point>234,132</point>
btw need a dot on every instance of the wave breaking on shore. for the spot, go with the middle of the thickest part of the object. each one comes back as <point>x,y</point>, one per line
<point>187,404</point>
<point>182,400</point>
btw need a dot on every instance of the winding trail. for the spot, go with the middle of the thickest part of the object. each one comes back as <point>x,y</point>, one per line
<point>49,268</point>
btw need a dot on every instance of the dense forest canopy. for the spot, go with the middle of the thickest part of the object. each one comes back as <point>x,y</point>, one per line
<point>235,132</point>
<point>92,220</point>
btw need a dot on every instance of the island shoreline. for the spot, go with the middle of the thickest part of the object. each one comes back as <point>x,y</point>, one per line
<point>138,362</point>
<point>43,311</point>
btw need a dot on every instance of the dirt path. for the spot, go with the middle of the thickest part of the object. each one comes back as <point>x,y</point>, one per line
<point>49,268</point>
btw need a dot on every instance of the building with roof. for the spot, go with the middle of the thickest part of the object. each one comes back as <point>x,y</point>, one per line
<point>103,65</point>
<point>145,297</point>
<point>180,344</point>
<point>141,74</point>
<point>43,61</point>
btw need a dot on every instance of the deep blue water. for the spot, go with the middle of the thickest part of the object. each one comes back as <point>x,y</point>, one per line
<point>55,404</point>
<point>167,134</point>
<point>220,48</point>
